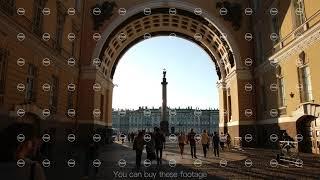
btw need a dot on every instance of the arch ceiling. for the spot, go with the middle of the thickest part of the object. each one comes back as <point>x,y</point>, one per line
<point>184,24</point>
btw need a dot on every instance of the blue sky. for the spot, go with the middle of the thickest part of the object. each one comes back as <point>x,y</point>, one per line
<point>191,75</point>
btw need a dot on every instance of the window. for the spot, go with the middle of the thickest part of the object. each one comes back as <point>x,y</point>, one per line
<point>31,83</point>
<point>74,42</point>
<point>70,95</point>
<point>275,27</point>
<point>3,64</point>
<point>281,87</point>
<point>281,92</point>
<point>306,90</point>
<point>60,24</point>
<point>38,16</point>
<point>8,6</point>
<point>304,79</point>
<point>256,4</point>
<point>53,100</point>
<point>78,5</point>
<point>299,12</point>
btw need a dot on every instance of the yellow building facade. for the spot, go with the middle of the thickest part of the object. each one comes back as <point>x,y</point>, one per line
<point>290,62</point>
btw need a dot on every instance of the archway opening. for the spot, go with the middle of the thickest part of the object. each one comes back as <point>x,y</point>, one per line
<point>306,128</point>
<point>191,76</point>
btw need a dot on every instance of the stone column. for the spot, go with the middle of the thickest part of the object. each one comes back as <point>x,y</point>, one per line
<point>164,125</point>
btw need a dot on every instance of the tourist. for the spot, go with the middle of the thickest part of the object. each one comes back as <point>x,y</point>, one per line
<point>150,148</point>
<point>182,141</point>
<point>215,143</point>
<point>205,141</point>
<point>228,141</point>
<point>13,150</point>
<point>222,141</point>
<point>159,144</point>
<point>132,136</point>
<point>138,145</point>
<point>192,142</point>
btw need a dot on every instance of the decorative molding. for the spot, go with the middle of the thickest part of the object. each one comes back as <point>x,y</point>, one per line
<point>210,17</point>
<point>299,44</point>
<point>234,13</point>
<point>106,9</point>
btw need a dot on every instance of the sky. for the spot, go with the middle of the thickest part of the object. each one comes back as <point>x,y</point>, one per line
<point>191,75</point>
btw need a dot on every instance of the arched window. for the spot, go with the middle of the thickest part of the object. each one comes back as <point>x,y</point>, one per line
<point>299,12</point>
<point>281,88</point>
<point>304,79</point>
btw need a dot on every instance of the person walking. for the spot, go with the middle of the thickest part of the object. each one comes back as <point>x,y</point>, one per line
<point>216,143</point>
<point>132,136</point>
<point>138,145</point>
<point>13,150</point>
<point>222,141</point>
<point>129,137</point>
<point>205,141</point>
<point>150,148</point>
<point>192,142</point>
<point>159,144</point>
<point>228,141</point>
<point>182,141</point>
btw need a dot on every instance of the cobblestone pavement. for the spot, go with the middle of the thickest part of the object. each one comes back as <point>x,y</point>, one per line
<point>232,164</point>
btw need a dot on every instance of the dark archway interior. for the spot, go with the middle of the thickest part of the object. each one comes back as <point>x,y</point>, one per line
<point>304,127</point>
<point>191,15</point>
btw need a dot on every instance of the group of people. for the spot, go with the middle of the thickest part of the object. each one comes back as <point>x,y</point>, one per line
<point>155,143</point>
<point>154,146</point>
<point>191,139</point>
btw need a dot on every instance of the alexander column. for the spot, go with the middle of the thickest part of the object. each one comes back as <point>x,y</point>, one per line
<point>164,125</point>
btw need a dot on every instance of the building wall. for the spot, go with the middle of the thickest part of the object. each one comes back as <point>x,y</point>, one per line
<point>183,121</point>
<point>295,114</point>
<point>33,50</point>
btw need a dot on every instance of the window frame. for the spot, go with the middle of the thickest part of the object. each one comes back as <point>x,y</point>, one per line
<point>298,19</point>
<point>54,93</point>
<point>31,85</point>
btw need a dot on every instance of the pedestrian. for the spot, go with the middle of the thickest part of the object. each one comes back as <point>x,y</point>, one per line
<point>159,144</point>
<point>182,141</point>
<point>228,141</point>
<point>192,142</point>
<point>131,136</point>
<point>222,141</point>
<point>150,148</point>
<point>13,150</point>
<point>205,141</point>
<point>138,145</point>
<point>215,143</point>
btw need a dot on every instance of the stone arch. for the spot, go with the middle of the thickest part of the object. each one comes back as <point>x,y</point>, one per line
<point>227,54</point>
<point>208,26</point>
